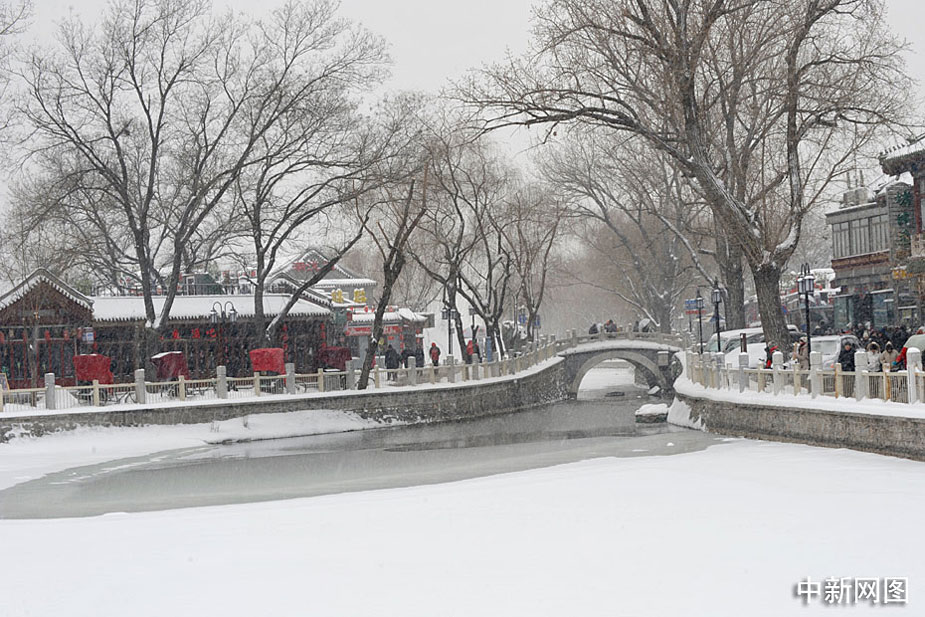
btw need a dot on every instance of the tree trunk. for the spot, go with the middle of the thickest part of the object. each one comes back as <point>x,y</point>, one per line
<point>663,314</point>
<point>767,286</point>
<point>729,259</point>
<point>390,276</point>
<point>461,339</point>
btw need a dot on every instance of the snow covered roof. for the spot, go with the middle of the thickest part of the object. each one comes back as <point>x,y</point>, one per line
<point>894,160</point>
<point>344,283</point>
<point>41,275</point>
<point>391,316</point>
<point>132,308</point>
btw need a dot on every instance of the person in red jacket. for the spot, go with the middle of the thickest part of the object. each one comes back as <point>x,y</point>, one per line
<point>769,351</point>
<point>435,354</point>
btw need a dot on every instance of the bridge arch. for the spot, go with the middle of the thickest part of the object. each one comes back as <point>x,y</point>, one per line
<point>653,359</point>
<point>639,362</point>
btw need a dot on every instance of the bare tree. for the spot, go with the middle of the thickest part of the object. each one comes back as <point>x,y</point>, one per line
<point>536,217</point>
<point>390,229</point>
<point>467,182</point>
<point>638,214</point>
<point>762,103</point>
<point>166,107</point>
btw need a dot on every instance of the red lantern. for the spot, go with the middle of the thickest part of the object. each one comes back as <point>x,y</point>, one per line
<point>176,333</point>
<point>196,333</point>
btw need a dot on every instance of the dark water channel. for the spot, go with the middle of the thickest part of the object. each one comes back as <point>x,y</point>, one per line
<point>598,424</point>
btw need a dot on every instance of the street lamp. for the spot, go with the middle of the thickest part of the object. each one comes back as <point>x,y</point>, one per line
<point>806,285</point>
<point>717,297</point>
<point>698,301</point>
<point>225,312</point>
<point>449,314</point>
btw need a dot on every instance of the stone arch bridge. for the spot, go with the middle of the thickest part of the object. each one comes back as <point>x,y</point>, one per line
<point>652,355</point>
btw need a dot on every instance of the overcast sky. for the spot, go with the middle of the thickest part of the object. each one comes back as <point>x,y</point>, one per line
<point>433,41</point>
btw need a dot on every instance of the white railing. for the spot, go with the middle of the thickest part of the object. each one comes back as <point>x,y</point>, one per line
<point>53,397</point>
<point>874,383</point>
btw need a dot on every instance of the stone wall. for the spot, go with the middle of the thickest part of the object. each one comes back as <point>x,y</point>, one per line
<point>426,404</point>
<point>891,435</point>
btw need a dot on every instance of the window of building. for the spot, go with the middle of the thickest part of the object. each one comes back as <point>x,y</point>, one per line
<point>840,244</point>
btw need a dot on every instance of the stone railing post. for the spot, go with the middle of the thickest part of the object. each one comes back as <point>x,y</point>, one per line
<point>140,390</point>
<point>777,364</point>
<point>913,364</point>
<point>380,362</point>
<point>743,376</point>
<point>719,364</point>
<point>96,393</point>
<point>574,337</point>
<point>815,374</point>
<point>51,401</point>
<point>413,371</point>
<point>861,381</point>
<point>431,373</point>
<point>450,369</point>
<point>320,380</point>
<point>181,387</point>
<point>290,377</point>
<point>350,383</point>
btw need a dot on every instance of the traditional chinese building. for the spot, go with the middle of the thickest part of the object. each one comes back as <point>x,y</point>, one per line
<point>910,270</point>
<point>44,322</point>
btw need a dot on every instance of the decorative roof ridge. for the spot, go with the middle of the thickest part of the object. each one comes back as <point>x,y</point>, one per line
<point>40,275</point>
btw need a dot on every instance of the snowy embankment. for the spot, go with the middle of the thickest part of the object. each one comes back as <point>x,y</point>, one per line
<point>724,532</point>
<point>25,458</point>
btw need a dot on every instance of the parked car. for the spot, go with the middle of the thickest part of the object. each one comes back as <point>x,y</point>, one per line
<point>831,346</point>
<point>755,347</point>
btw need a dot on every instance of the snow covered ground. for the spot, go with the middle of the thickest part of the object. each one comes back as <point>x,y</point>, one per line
<point>727,531</point>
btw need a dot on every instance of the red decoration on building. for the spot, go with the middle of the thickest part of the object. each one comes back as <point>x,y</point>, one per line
<point>176,333</point>
<point>196,333</point>
<point>47,336</point>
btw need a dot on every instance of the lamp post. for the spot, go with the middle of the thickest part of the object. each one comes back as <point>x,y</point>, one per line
<point>717,297</point>
<point>449,314</point>
<point>225,312</point>
<point>699,303</point>
<point>806,285</point>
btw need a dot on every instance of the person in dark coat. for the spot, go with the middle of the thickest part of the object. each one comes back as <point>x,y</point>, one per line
<point>392,360</point>
<point>846,357</point>
<point>405,354</point>
<point>419,357</point>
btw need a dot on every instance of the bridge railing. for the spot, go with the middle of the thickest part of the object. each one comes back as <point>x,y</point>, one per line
<point>53,398</point>
<point>788,379</point>
<point>573,338</point>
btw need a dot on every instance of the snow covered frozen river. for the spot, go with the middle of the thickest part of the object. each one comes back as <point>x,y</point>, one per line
<point>547,519</point>
<point>596,425</point>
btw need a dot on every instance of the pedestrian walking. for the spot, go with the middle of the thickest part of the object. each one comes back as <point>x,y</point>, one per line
<point>392,361</point>
<point>435,354</point>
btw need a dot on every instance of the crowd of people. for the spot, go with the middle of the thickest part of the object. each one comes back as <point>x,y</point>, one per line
<point>395,360</point>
